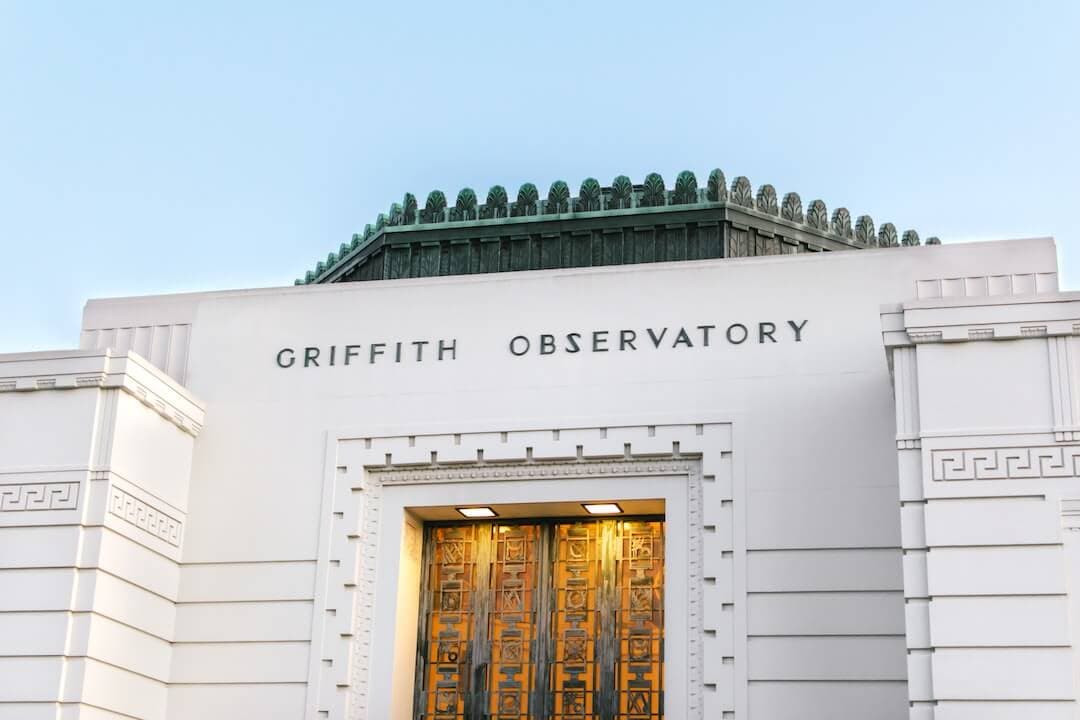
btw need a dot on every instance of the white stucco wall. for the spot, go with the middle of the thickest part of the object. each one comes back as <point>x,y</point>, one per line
<point>801,568</point>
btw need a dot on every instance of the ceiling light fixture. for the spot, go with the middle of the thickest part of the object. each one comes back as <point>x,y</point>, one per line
<point>602,508</point>
<point>477,512</point>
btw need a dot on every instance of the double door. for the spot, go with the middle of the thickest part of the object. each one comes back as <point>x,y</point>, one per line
<point>542,620</point>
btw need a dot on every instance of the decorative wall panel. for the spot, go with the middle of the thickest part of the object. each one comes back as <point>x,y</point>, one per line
<point>39,496</point>
<point>1060,461</point>
<point>144,516</point>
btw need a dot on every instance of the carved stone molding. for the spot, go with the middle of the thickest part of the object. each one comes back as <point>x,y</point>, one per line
<point>1062,461</point>
<point>906,393</point>
<point>24,497</point>
<point>538,462</point>
<point>990,318</point>
<point>919,336</point>
<point>986,286</point>
<point>529,471</point>
<point>669,467</point>
<point>163,407</point>
<point>1070,514</point>
<point>71,370</point>
<point>144,516</point>
<point>376,478</point>
<point>1063,360</point>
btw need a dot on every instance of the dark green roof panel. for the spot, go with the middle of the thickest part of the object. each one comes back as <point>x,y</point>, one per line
<point>622,223</point>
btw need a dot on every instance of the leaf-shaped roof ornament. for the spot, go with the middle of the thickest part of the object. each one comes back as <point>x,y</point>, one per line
<point>841,222</point>
<point>434,207</point>
<point>716,190</point>
<point>527,198</point>
<point>864,231</point>
<point>686,189</point>
<point>622,191</point>
<point>558,199</point>
<point>766,200</point>
<point>589,196</point>
<point>653,193</point>
<point>791,207</point>
<point>817,216</point>
<point>741,193</point>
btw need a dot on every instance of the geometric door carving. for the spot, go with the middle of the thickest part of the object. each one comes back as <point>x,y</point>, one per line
<point>541,619</point>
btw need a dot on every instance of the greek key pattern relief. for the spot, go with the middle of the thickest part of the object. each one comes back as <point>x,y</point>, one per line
<point>1007,463</point>
<point>344,670</point>
<point>149,519</point>
<point>39,496</point>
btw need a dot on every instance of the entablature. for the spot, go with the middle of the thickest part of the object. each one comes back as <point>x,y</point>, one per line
<point>128,372</point>
<point>967,319</point>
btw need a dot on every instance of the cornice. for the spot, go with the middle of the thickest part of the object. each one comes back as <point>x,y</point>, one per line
<point>128,372</point>
<point>970,319</point>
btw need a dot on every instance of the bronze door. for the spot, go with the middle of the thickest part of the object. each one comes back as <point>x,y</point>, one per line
<point>542,620</point>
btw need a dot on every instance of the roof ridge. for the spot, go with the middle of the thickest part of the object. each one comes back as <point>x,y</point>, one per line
<point>622,194</point>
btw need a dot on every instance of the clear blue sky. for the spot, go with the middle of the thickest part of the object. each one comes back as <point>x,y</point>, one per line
<point>159,147</point>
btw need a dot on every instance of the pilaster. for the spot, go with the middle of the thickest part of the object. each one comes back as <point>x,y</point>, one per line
<point>93,493</point>
<point>985,488</point>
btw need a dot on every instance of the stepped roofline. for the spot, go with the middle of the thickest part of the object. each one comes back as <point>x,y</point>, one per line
<point>604,209</point>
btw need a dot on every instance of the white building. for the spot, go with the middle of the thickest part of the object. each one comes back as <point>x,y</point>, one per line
<point>846,482</point>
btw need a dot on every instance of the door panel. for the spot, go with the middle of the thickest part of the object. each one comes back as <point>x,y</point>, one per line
<point>450,555</point>
<point>640,581</point>
<point>512,619</point>
<point>541,620</point>
<point>577,569</point>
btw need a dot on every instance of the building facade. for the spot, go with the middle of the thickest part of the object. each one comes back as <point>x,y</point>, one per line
<point>833,472</point>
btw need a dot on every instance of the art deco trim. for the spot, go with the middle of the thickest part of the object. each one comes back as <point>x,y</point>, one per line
<point>1070,514</point>
<point>25,497</point>
<point>1061,461</point>
<point>955,317</point>
<point>162,407</point>
<point>988,286</point>
<point>104,370</point>
<point>1062,379</point>
<point>374,478</point>
<point>533,471</point>
<point>147,518</point>
<point>906,385</point>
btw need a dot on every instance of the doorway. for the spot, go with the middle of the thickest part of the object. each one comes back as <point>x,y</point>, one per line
<point>541,620</point>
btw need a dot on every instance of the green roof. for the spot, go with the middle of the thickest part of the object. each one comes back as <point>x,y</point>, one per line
<point>621,204</point>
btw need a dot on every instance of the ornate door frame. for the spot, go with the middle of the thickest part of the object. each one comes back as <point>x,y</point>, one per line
<point>352,663</point>
<point>388,616</point>
<point>549,617</point>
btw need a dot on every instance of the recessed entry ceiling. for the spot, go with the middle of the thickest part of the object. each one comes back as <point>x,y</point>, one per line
<point>572,508</point>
